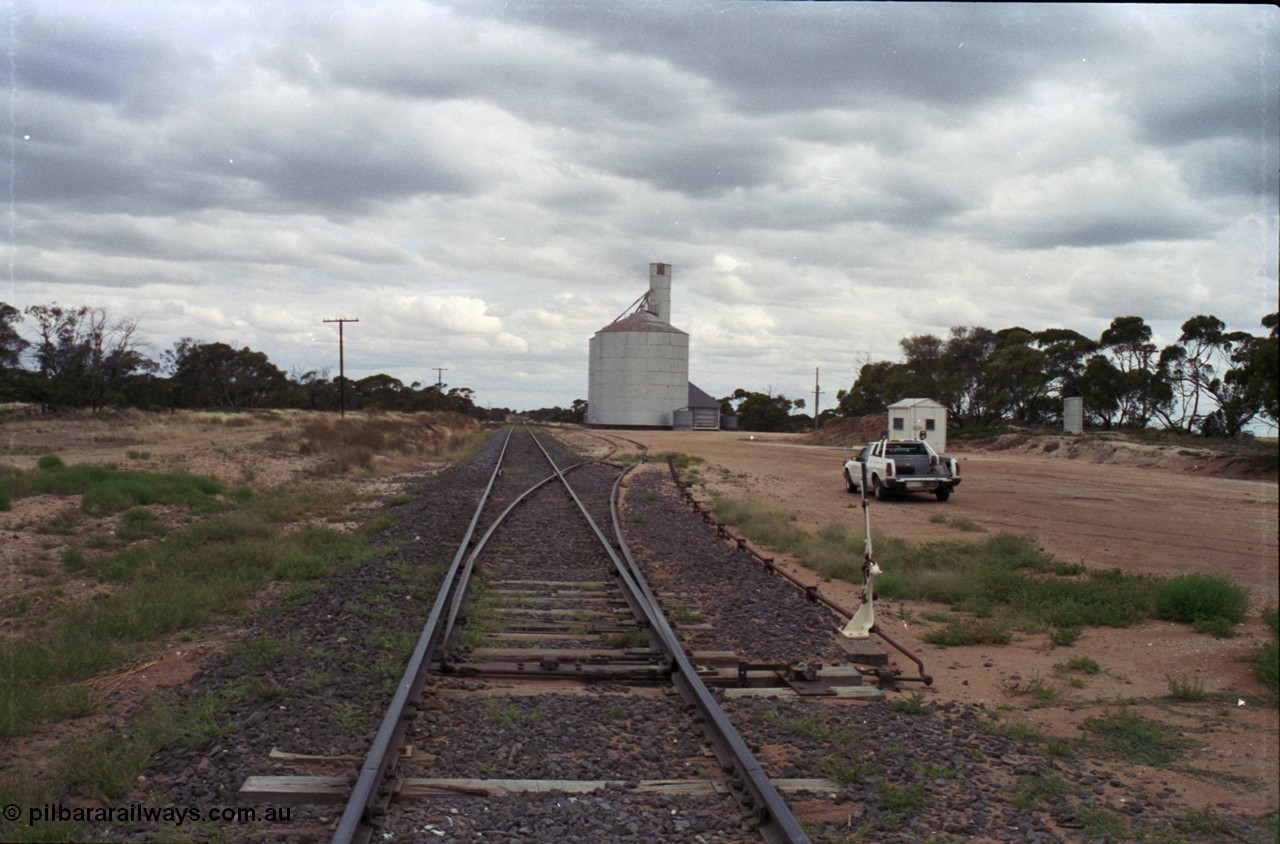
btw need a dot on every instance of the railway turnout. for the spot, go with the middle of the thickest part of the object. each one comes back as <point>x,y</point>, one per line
<point>546,627</point>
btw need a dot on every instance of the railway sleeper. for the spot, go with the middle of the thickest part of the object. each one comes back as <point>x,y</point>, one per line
<point>547,669</point>
<point>297,790</point>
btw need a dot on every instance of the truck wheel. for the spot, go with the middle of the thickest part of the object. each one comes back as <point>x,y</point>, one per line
<point>849,486</point>
<point>943,493</point>
<point>881,493</point>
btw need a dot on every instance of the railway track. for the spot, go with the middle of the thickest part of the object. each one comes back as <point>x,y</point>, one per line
<point>546,630</point>
<point>555,754</point>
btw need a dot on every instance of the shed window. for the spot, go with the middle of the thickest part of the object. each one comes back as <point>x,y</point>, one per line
<point>928,424</point>
<point>898,423</point>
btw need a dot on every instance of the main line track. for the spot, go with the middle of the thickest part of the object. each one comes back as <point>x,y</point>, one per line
<point>530,511</point>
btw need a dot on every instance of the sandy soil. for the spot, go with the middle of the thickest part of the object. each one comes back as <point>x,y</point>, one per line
<point>1144,511</point>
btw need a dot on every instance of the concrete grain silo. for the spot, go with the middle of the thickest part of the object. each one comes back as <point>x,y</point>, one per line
<point>638,372</point>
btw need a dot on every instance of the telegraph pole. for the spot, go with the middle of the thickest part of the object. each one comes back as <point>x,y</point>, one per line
<point>816,392</point>
<point>342,366</point>
<point>440,370</point>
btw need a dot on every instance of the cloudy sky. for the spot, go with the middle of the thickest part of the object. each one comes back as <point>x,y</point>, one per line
<point>483,184</point>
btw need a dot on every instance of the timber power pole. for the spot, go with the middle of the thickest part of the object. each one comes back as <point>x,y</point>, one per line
<point>342,366</point>
<point>816,392</point>
<point>440,371</point>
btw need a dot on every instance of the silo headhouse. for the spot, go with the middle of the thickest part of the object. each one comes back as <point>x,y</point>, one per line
<point>638,372</point>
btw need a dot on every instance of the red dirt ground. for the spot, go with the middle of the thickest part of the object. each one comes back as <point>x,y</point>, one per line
<point>1104,503</point>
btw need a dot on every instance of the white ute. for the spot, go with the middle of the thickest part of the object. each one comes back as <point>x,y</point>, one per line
<point>898,466</point>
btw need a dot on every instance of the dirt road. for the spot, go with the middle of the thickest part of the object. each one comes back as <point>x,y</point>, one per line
<point>1150,520</point>
<point>1153,514</point>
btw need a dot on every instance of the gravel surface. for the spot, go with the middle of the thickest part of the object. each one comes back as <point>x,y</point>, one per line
<point>751,611</point>
<point>312,673</point>
<point>604,732</point>
<point>602,816</point>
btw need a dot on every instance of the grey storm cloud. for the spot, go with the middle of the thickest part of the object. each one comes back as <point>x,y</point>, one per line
<point>483,182</point>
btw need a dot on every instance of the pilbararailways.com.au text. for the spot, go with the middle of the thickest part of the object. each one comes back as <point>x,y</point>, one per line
<point>137,813</point>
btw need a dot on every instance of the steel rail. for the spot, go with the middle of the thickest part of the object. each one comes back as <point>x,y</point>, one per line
<point>812,593</point>
<point>777,822</point>
<point>752,786</point>
<point>460,594</point>
<point>639,602</point>
<point>370,792</point>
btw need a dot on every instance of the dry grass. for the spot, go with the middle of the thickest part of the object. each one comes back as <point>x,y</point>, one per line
<point>375,442</point>
<point>104,594</point>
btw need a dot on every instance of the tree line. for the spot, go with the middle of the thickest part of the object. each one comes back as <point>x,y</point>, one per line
<point>1210,381</point>
<point>83,358</point>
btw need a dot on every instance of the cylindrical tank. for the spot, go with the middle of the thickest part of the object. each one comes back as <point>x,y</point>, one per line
<point>639,364</point>
<point>1073,415</point>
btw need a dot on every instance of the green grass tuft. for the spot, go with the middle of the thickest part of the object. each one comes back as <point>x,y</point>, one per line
<point>1003,579</point>
<point>139,523</point>
<point>1083,664</point>
<point>1133,738</point>
<point>913,704</point>
<point>1201,598</point>
<point>1267,659</point>
<point>106,490</point>
<point>183,581</point>
<point>970,631</point>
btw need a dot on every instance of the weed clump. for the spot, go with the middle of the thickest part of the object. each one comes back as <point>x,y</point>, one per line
<point>1209,602</point>
<point>139,523</point>
<point>7,476</point>
<point>1134,738</point>
<point>1267,660</point>
<point>970,631</point>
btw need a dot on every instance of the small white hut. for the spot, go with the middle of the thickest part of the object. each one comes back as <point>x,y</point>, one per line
<point>919,419</point>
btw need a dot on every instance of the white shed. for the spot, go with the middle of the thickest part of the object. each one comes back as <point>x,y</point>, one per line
<point>914,419</point>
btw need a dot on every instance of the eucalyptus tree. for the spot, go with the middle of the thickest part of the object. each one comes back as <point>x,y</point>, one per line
<point>12,345</point>
<point>1016,382</point>
<point>958,374</point>
<point>206,375</point>
<point>763,411</point>
<point>1066,354</point>
<point>383,392</point>
<point>878,385</point>
<point>1144,390</point>
<point>1261,368</point>
<point>1102,385</point>
<point>83,358</point>
<point>1193,366</point>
